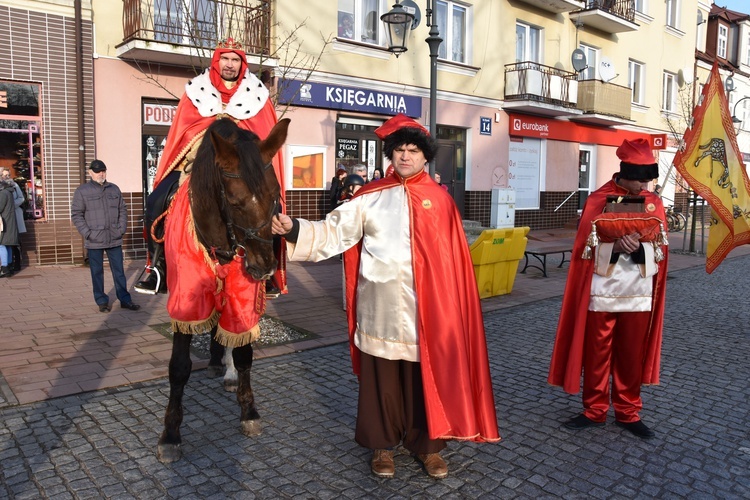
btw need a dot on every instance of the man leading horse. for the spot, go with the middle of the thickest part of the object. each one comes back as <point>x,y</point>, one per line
<point>227,89</point>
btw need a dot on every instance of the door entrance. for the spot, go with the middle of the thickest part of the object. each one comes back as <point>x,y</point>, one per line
<point>586,175</point>
<point>450,162</point>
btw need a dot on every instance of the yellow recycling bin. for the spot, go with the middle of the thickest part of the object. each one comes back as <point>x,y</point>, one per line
<point>495,255</point>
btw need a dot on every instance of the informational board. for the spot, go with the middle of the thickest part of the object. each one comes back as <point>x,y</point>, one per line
<point>524,157</point>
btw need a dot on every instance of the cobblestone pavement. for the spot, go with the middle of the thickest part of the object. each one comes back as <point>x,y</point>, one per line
<point>101,444</point>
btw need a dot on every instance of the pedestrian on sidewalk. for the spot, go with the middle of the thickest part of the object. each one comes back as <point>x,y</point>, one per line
<point>18,200</point>
<point>613,306</point>
<point>8,227</point>
<point>415,322</point>
<point>99,214</point>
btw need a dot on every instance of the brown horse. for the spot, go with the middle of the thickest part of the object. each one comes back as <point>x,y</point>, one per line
<point>234,194</point>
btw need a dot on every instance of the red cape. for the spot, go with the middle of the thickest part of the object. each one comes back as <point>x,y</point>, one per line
<point>567,355</point>
<point>455,367</point>
<point>208,294</point>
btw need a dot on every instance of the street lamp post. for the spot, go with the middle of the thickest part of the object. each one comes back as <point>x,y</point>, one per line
<point>734,110</point>
<point>398,23</point>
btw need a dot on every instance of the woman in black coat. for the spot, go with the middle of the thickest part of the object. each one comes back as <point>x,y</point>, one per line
<point>337,186</point>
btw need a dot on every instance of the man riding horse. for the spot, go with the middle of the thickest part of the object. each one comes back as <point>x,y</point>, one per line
<point>226,89</point>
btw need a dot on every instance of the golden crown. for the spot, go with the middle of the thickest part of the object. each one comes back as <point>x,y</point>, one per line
<point>229,43</point>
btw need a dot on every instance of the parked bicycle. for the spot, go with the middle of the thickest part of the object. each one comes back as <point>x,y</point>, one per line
<point>676,221</point>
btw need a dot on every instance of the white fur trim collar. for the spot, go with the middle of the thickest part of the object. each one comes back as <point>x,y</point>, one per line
<point>246,102</point>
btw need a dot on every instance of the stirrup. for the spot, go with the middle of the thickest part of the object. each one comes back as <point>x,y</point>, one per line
<point>144,290</point>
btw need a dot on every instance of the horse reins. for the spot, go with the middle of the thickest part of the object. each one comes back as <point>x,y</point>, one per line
<point>249,233</point>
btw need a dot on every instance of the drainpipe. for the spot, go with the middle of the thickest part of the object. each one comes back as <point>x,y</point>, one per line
<point>79,90</point>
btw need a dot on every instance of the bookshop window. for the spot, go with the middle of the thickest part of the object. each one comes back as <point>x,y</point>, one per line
<point>21,142</point>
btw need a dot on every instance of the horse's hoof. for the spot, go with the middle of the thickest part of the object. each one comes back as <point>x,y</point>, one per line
<point>213,371</point>
<point>168,453</point>
<point>251,428</point>
<point>230,386</point>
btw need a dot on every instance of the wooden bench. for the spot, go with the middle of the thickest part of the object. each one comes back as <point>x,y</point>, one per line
<point>541,249</point>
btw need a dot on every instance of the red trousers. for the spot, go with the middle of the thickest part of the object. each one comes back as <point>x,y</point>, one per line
<point>614,345</point>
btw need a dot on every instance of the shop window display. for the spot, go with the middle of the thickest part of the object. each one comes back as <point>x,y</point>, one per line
<point>21,142</point>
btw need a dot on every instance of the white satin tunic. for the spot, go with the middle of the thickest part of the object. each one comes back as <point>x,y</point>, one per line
<point>386,300</point>
<point>623,286</point>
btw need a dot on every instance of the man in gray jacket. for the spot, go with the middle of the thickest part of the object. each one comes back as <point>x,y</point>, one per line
<point>99,214</point>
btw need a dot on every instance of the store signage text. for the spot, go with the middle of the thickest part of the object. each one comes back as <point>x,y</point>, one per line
<point>323,95</point>
<point>546,128</point>
<point>158,114</point>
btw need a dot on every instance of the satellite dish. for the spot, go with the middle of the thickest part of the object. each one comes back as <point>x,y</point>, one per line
<point>680,78</point>
<point>606,69</point>
<point>578,58</point>
<point>412,8</point>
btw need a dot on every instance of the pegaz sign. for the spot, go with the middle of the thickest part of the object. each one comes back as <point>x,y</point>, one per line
<point>329,96</point>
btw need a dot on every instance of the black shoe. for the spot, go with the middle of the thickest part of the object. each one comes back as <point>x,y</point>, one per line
<point>272,291</point>
<point>581,422</point>
<point>148,285</point>
<point>5,272</point>
<point>103,308</point>
<point>638,428</point>
<point>131,306</point>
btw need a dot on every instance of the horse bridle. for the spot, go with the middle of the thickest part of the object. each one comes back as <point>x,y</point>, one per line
<point>248,233</point>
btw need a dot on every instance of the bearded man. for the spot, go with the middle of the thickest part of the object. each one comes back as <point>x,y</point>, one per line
<point>226,89</point>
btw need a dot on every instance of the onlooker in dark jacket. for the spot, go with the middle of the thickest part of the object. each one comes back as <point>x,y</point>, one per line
<point>18,199</point>
<point>337,185</point>
<point>99,214</point>
<point>9,232</point>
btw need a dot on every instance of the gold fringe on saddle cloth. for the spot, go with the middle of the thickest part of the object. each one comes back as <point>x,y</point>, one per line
<point>224,300</point>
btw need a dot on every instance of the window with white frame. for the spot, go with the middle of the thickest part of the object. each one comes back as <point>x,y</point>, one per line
<point>669,92</point>
<point>359,20</point>
<point>673,13</point>
<point>747,50</point>
<point>640,6</point>
<point>721,42</point>
<point>452,19</point>
<point>592,62</point>
<point>636,74</point>
<point>528,43</point>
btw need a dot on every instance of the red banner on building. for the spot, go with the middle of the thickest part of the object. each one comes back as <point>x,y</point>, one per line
<point>559,130</point>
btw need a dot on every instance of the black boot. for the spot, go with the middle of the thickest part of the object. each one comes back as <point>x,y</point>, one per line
<point>156,281</point>
<point>5,272</point>
<point>16,265</point>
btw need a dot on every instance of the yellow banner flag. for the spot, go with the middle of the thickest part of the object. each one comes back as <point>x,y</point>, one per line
<point>710,162</point>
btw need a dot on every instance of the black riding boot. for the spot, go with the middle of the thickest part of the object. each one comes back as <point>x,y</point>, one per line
<point>16,265</point>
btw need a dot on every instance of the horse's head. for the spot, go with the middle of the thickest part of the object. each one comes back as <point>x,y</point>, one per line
<point>235,194</point>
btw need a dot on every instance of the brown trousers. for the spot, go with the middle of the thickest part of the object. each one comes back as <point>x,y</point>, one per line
<point>391,406</point>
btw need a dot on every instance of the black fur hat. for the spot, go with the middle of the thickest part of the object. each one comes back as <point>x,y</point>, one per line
<point>410,135</point>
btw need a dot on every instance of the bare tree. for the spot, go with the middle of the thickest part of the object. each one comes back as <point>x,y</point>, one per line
<point>200,26</point>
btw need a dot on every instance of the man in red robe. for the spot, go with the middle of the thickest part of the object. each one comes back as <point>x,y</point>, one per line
<point>613,306</point>
<point>415,323</point>
<point>227,89</point>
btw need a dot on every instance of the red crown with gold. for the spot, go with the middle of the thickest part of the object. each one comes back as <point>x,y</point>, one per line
<point>229,43</point>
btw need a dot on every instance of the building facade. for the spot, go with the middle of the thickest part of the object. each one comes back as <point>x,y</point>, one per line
<point>533,95</point>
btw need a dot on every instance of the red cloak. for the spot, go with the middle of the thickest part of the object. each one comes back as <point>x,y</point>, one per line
<point>455,368</point>
<point>567,356</point>
<point>199,297</point>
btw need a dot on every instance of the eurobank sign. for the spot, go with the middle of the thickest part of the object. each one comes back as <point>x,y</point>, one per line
<point>559,130</point>
<point>324,95</point>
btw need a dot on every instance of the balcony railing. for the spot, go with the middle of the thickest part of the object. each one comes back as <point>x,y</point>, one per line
<point>620,8</point>
<point>199,23</point>
<point>597,97</point>
<point>532,81</point>
<point>610,16</point>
